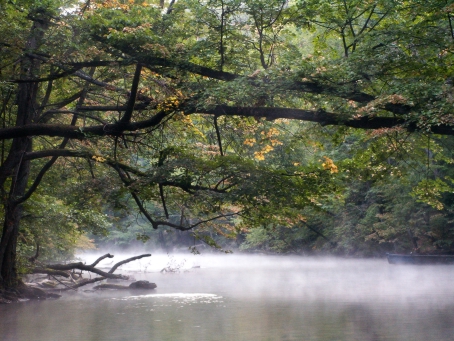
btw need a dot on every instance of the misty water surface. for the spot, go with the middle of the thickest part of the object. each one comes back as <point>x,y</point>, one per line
<point>232,297</point>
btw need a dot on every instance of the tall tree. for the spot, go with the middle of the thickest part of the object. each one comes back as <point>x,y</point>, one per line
<point>154,94</point>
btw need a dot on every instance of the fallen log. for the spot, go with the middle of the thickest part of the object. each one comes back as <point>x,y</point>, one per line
<point>51,272</point>
<point>110,286</point>
<point>92,268</point>
<point>64,270</point>
<point>134,285</point>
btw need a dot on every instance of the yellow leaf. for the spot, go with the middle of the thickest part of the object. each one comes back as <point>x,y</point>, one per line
<point>329,165</point>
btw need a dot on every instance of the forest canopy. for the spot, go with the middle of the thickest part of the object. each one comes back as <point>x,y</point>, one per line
<point>282,126</point>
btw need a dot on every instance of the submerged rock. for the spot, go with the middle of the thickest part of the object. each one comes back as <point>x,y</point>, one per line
<point>34,293</point>
<point>142,285</point>
<point>5,301</point>
<point>52,295</point>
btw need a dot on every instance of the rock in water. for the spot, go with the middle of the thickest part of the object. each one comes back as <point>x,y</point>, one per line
<point>142,285</point>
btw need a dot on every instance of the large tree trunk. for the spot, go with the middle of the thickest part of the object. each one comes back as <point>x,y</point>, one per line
<point>15,166</point>
<point>13,213</point>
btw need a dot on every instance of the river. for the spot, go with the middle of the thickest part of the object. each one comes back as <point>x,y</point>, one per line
<point>249,298</point>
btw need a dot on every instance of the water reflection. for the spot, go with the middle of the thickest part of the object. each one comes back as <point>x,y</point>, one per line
<point>252,298</point>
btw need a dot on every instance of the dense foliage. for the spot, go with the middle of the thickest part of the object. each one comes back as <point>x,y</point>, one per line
<point>281,126</point>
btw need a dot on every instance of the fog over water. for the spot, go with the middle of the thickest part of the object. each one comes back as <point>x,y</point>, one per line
<point>245,297</point>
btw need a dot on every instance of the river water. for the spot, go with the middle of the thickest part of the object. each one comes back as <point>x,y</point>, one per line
<point>249,298</point>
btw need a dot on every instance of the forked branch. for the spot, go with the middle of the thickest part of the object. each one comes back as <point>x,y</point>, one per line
<point>59,269</point>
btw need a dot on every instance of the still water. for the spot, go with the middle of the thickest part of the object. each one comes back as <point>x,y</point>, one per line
<point>249,298</point>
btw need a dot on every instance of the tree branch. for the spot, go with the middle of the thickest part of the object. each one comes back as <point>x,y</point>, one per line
<point>80,133</point>
<point>320,116</point>
<point>132,96</point>
<point>137,106</point>
<point>80,284</point>
<point>82,154</point>
<point>284,85</point>
<point>61,270</point>
<point>218,134</point>
<point>84,267</point>
<point>182,228</point>
<point>107,255</point>
<point>163,200</point>
<point>51,272</point>
<point>127,261</point>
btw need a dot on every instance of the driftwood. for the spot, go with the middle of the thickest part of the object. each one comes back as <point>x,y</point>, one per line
<point>64,270</point>
<point>51,272</point>
<point>78,284</point>
<point>110,286</point>
<point>70,280</point>
<point>135,285</point>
